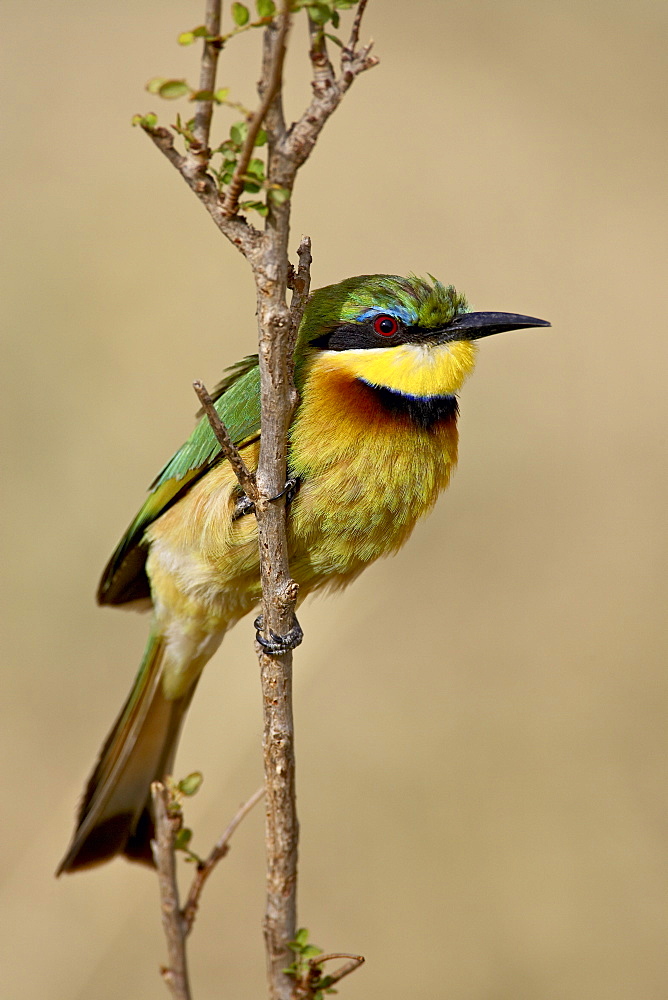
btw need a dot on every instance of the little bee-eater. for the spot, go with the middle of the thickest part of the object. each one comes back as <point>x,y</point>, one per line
<point>378,364</point>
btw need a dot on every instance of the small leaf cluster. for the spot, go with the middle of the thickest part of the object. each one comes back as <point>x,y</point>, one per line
<point>148,121</point>
<point>323,12</point>
<point>185,788</point>
<point>241,16</point>
<point>254,179</point>
<point>308,977</point>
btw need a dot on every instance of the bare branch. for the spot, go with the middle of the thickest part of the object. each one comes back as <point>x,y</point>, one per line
<point>273,87</point>
<point>279,593</point>
<point>282,827</point>
<point>219,851</point>
<point>300,283</point>
<point>230,450</point>
<point>328,92</point>
<point>323,71</point>
<point>357,24</point>
<point>207,83</point>
<point>166,828</point>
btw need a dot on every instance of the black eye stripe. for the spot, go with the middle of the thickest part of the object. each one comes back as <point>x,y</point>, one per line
<point>363,336</point>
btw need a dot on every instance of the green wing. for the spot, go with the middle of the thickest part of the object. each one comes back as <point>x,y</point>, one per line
<point>237,400</point>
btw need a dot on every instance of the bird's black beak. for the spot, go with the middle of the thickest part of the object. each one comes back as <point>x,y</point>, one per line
<point>474,326</point>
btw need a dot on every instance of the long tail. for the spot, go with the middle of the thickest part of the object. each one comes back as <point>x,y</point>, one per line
<point>114,817</point>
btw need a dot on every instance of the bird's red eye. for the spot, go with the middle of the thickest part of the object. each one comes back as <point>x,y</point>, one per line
<point>386,326</point>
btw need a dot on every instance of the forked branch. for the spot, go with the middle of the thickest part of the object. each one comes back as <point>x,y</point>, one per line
<point>178,922</point>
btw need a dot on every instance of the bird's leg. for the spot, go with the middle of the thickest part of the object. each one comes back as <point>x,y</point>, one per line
<point>276,644</point>
<point>245,505</point>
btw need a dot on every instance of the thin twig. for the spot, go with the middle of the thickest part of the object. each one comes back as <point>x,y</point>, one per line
<point>189,911</point>
<point>345,970</point>
<point>231,200</point>
<point>357,24</point>
<point>230,450</point>
<point>166,828</point>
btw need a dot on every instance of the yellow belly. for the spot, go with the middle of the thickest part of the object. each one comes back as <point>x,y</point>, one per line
<point>364,485</point>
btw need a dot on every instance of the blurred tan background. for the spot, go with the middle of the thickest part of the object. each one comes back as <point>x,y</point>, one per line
<point>481,720</point>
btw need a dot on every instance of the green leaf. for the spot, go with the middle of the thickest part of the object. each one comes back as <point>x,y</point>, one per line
<point>333,38</point>
<point>240,14</point>
<point>201,95</point>
<point>201,32</point>
<point>221,94</point>
<point>153,86</point>
<point>238,133</point>
<point>301,937</point>
<point>185,129</point>
<point>261,137</point>
<point>279,195</point>
<point>191,784</point>
<point>171,89</point>
<point>310,951</point>
<point>265,8</point>
<point>254,206</point>
<point>148,121</point>
<point>182,839</point>
<point>319,13</point>
<point>336,20</point>
<point>186,38</point>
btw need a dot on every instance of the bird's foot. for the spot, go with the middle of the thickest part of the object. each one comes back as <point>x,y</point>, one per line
<point>245,505</point>
<point>276,644</point>
<point>289,491</point>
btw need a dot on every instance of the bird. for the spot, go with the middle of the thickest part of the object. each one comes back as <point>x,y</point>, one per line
<point>378,365</point>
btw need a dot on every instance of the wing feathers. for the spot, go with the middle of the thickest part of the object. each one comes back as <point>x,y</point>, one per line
<point>237,400</point>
